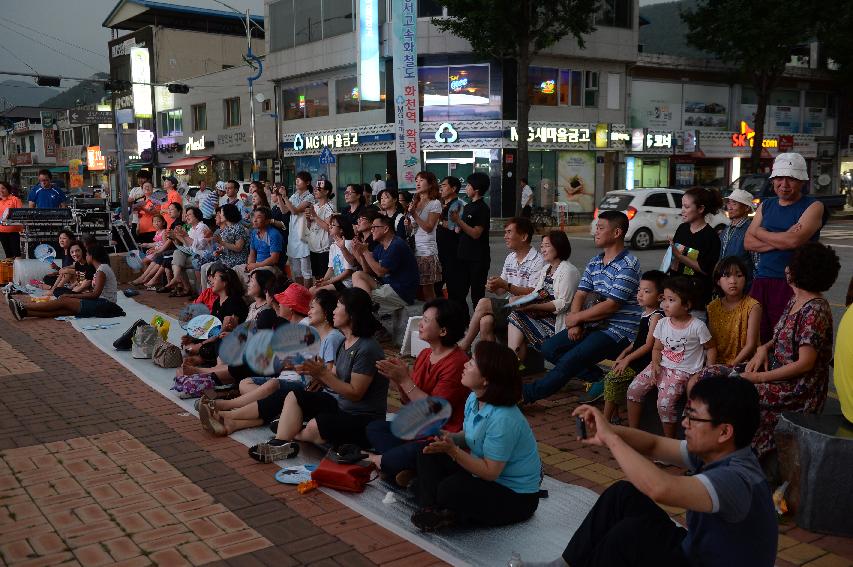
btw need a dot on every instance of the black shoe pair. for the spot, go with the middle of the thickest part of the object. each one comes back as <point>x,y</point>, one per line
<point>432,519</point>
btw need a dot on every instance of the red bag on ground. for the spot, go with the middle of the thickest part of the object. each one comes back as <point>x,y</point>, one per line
<point>344,477</point>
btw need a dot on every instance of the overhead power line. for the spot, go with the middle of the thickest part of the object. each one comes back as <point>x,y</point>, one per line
<point>13,54</point>
<point>66,42</point>
<point>49,47</point>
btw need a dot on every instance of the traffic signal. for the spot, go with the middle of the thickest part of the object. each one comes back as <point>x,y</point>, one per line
<point>47,81</point>
<point>177,88</point>
<point>117,86</point>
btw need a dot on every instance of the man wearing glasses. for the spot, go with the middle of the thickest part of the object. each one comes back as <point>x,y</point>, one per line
<point>730,516</point>
<point>390,272</point>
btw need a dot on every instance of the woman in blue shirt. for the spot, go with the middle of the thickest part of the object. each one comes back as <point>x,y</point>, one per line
<point>496,481</point>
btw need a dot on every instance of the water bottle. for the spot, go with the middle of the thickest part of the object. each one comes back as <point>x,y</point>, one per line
<point>515,560</point>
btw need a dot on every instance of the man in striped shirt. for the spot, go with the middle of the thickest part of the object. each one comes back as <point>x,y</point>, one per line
<point>603,318</point>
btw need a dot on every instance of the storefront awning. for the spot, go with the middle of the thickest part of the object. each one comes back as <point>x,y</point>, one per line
<point>63,169</point>
<point>185,162</point>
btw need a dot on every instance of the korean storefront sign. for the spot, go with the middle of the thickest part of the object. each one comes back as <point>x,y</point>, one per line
<point>406,120</point>
<point>48,129</point>
<point>746,137</point>
<point>561,135</point>
<point>94,159</point>
<point>318,141</point>
<point>368,50</point>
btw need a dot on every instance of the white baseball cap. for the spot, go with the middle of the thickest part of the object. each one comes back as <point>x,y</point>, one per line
<point>790,165</point>
<point>742,197</point>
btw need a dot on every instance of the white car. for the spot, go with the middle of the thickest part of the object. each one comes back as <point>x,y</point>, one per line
<point>653,214</point>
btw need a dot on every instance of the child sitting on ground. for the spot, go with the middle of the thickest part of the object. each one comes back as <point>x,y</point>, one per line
<point>683,345</point>
<point>637,355</point>
<point>734,318</point>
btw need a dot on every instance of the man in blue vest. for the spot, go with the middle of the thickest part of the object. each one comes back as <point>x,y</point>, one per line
<point>781,225</point>
<point>45,195</point>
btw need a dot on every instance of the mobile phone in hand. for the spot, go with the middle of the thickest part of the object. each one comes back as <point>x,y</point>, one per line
<point>580,427</point>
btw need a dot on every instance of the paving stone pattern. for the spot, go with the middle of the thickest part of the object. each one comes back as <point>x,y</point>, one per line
<point>67,393</point>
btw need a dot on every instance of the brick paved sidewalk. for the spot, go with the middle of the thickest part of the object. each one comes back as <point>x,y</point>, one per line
<point>97,468</point>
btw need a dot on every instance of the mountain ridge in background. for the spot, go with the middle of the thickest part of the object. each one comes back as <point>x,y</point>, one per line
<point>16,92</point>
<point>84,92</point>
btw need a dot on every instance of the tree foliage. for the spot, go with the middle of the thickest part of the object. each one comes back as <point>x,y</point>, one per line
<point>518,29</point>
<point>758,36</point>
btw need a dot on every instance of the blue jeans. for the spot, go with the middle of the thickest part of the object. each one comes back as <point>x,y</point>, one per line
<point>397,454</point>
<point>570,359</point>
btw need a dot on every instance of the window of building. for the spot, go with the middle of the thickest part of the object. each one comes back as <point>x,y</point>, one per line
<point>32,143</point>
<point>281,20</point>
<point>316,99</point>
<point>171,124</point>
<point>430,9</point>
<point>307,21</point>
<point>266,106</point>
<point>615,13</point>
<point>468,84</point>
<point>590,94</point>
<point>347,96</point>
<point>542,86</point>
<point>570,87</point>
<point>231,107</point>
<point>66,137</point>
<point>305,101</point>
<point>338,17</point>
<point>86,137</point>
<point>433,86</point>
<point>199,117</point>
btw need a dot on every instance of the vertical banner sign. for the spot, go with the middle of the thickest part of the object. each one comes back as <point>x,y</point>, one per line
<point>406,121</point>
<point>368,50</point>
<point>48,133</point>
<point>140,74</point>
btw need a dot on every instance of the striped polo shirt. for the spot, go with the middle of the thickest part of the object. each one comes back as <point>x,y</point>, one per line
<point>524,273</point>
<point>618,281</point>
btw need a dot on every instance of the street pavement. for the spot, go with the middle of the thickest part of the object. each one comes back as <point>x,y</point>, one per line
<point>96,468</point>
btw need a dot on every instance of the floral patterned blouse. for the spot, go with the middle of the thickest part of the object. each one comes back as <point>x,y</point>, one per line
<point>231,234</point>
<point>811,325</point>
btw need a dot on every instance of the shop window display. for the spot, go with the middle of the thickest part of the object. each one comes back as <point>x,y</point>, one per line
<point>542,89</point>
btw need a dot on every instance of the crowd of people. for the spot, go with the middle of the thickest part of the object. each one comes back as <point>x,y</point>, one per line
<point>729,334</point>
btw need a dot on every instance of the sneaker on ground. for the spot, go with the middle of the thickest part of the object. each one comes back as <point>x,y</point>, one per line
<point>594,392</point>
<point>274,450</point>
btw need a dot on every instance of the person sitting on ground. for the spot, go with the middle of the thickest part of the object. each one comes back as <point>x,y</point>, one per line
<point>207,295</point>
<point>738,207</point>
<point>638,355</point>
<point>259,281</point>
<point>424,213</point>
<point>355,391</point>
<point>518,277</point>
<point>437,372</point>
<point>603,318</point>
<point>734,318</point>
<point>683,345</point>
<point>80,279</point>
<point>533,323</point>
<point>496,481</point>
<point>390,272</point>
<point>791,371</point>
<point>66,237</point>
<point>781,225</point>
<point>158,245</point>
<point>231,240</point>
<point>262,398</point>
<point>266,246</point>
<point>192,242</point>
<point>228,306</point>
<point>730,515</point>
<point>339,272</point>
<point>99,302</point>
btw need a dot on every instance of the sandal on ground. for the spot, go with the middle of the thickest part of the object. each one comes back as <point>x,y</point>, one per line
<point>151,287</point>
<point>274,450</point>
<point>209,422</point>
<point>181,293</point>
<point>431,519</point>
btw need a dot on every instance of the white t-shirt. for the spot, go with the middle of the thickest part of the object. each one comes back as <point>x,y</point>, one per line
<point>526,196</point>
<point>338,262</point>
<point>425,244</point>
<point>296,247</point>
<point>318,238</point>
<point>682,348</point>
<point>133,196</point>
<point>376,186</point>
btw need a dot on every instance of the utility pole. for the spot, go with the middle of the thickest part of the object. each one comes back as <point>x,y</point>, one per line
<point>250,56</point>
<point>121,174</point>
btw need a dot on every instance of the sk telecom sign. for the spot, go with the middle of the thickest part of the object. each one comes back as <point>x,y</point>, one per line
<point>746,138</point>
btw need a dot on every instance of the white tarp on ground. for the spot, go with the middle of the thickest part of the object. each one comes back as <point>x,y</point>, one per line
<point>541,538</point>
